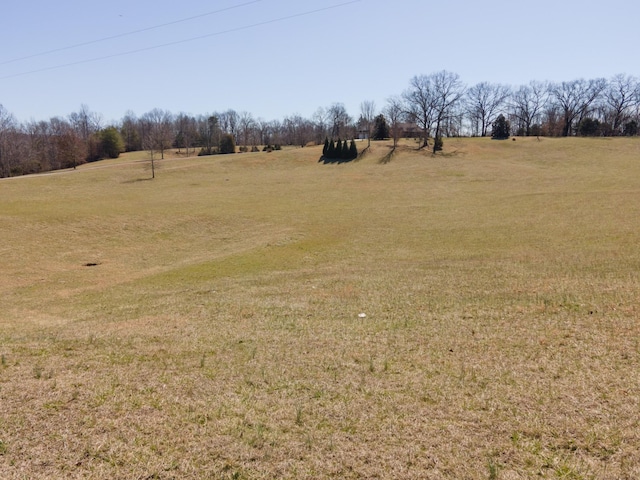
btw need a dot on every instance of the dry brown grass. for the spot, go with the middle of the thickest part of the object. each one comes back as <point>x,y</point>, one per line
<point>219,336</point>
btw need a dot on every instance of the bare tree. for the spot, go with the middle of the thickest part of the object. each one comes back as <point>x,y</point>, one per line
<point>574,99</point>
<point>420,105</point>
<point>483,103</point>
<point>367,114</point>
<point>148,143</point>
<point>209,133</point>
<point>453,126</point>
<point>276,128</point>
<point>395,111</point>
<point>432,101</point>
<point>158,133</point>
<point>339,120</point>
<point>527,103</point>
<point>448,90</point>
<point>8,135</point>
<point>229,122</point>
<point>320,119</point>
<point>70,149</point>
<point>297,130</point>
<point>16,151</point>
<point>85,122</point>
<point>621,97</point>
<point>246,123</point>
<point>262,129</point>
<point>38,133</point>
<point>186,131</point>
<point>130,131</point>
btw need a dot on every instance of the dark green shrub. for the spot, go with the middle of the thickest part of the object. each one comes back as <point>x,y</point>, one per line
<point>501,128</point>
<point>346,151</point>
<point>380,128</point>
<point>630,128</point>
<point>589,127</point>
<point>331,150</point>
<point>227,144</point>
<point>353,150</point>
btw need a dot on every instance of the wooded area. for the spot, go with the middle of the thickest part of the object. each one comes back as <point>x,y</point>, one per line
<point>433,106</point>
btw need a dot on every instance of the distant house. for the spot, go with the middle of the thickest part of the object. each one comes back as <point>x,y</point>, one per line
<point>407,130</point>
<point>410,130</point>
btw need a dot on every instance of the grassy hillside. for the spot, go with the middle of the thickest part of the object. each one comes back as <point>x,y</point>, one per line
<point>468,315</point>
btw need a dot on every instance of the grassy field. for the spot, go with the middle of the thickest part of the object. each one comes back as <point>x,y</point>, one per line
<point>469,315</point>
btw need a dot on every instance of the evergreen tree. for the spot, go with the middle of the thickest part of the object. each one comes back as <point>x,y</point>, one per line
<point>346,152</point>
<point>338,151</point>
<point>380,128</point>
<point>326,147</point>
<point>111,143</point>
<point>501,128</point>
<point>589,127</point>
<point>227,144</point>
<point>353,150</point>
<point>331,149</point>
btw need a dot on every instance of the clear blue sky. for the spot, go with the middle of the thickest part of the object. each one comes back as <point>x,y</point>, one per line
<point>257,58</point>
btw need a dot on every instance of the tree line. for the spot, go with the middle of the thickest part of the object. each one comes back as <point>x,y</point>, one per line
<point>440,105</point>
<point>432,107</point>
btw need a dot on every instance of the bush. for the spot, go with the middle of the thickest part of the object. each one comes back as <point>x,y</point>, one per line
<point>227,144</point>
<point>111,143</point>
<point>204,151</point>
<point>589,127</point>
<point>630,128</point>
<point>536,130</point>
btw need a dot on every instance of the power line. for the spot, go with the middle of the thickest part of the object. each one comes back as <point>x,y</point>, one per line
<point>126,34</point>
<point>178,42</point>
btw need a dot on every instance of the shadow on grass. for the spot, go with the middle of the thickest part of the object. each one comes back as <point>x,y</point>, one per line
<point>454,153</point>
<point>334,161</point>
<point>138,180</point>
<point>387,158</point>
<point>363,152</point>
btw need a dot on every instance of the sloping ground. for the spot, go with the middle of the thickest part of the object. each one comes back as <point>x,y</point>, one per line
<point>468,315</point>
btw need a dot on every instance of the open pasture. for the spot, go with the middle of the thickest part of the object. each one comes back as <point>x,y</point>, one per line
<point>469,315</point>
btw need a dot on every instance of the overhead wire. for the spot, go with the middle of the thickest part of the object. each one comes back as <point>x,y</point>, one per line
<point>126,34</point>
<point>178,42</point>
